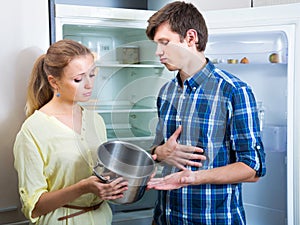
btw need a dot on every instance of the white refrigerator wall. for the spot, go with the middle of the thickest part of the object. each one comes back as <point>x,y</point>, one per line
<point>24,36</point>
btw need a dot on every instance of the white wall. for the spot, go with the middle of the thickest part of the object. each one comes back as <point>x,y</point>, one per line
<point>24,36</point>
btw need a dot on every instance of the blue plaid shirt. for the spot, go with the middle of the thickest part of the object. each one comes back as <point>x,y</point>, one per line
<point>218,112</point>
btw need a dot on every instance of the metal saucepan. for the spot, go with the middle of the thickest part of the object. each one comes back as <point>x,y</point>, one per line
<point>122,159</point>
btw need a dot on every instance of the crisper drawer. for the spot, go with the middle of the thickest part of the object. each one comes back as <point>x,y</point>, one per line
<point>139,217</point>
<point>138,213</point>
<point>146,202</point>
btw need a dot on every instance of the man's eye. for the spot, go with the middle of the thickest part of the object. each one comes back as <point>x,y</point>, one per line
<point>164,42</point>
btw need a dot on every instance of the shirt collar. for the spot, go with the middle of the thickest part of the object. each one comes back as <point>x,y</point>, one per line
<point>195,81</point>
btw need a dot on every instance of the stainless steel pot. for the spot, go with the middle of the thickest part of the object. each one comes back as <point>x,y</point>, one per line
<point>122,159</point>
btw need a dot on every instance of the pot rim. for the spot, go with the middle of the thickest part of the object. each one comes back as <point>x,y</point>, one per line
<point>121,173</point>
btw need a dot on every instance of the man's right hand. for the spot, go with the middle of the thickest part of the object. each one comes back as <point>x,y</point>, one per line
<point>178,155</point>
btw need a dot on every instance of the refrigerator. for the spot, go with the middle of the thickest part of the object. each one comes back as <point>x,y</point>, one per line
<point>259,45</point>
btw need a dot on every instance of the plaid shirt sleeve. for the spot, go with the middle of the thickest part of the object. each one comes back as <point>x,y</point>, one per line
<point>245,134</point>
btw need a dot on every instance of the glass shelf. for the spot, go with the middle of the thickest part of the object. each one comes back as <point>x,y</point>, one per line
<point>141,65</point>
<point>131,133</point>
<point>120,108</point>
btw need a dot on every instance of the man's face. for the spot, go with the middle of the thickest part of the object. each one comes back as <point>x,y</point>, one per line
<point>170,49</point>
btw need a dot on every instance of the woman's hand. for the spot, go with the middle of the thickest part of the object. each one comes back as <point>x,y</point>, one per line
<point>50,201</point>
<point>107,191</point>
<point>173,181</point>
<point>178,155</point>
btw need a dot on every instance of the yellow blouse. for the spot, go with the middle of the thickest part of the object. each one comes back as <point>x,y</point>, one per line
<point>49,156</point>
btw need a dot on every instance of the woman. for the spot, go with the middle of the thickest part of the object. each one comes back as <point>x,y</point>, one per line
<point>55,150</point>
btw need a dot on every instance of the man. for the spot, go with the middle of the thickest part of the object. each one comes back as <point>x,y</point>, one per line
<point>202,110</point>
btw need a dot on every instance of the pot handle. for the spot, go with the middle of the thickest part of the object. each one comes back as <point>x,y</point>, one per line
<point>101,178</point>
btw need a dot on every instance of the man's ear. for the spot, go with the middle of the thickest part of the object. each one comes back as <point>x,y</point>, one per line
<point>191,37</point>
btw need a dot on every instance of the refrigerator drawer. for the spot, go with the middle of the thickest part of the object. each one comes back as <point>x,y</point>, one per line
<point>140,217</point>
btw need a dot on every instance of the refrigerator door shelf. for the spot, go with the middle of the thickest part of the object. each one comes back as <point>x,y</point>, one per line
<point>251,66</point>
<point>252,58</point>
<point>256,47</point>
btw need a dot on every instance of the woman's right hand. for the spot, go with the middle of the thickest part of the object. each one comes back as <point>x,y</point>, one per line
<point>107,191</point>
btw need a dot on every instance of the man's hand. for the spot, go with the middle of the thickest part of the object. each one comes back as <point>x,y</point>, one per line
<point>178,155</point>
<point>173,181</point>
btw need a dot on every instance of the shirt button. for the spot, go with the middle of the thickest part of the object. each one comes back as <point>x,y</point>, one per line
<point>194,88</point>
<point>257,147</point>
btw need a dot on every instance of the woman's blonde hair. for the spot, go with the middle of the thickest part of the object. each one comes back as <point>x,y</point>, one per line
<point>58,56</point>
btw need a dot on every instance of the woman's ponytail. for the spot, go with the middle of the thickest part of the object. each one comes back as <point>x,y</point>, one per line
<point>39,90</point>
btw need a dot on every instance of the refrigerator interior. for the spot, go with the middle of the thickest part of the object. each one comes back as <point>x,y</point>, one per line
<point>265,201</point>
<point>129,78</point>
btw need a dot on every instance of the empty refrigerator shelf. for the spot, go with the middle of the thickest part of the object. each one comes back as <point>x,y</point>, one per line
<point>116,108</point>
<point>124,109</point>
<point>127,133</point>
<point>140,65</point>
<point>264,208</point>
